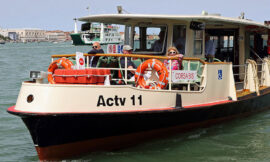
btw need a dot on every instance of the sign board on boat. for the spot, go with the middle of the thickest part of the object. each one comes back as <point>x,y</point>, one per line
<point>114,48</point>
<point>183,76</point>
<point>80,61</point>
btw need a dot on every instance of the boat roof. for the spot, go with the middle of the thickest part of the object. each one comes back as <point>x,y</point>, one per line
<point>133,18</point>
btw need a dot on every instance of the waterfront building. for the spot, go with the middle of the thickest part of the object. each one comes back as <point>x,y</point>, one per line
<point>3,32</point>
<point>56,35</point>
<point>68,37</point>
<point>7,33</point>
<point>30,35</point>
<point>24,34</point>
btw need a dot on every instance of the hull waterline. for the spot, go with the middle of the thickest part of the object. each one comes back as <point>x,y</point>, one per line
<point>59,136</point>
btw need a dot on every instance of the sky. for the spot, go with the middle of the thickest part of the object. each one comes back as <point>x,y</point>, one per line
<point>59,14</point>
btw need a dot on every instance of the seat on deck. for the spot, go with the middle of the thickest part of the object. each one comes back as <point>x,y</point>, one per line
<point>194,66</point>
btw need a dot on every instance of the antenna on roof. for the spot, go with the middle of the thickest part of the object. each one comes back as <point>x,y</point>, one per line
<point>120,10</point>
<point>88,8</point>
<point>204,12</point>
<point>242,15</point>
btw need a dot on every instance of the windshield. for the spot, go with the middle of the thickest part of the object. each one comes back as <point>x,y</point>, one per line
<point>149,39</point>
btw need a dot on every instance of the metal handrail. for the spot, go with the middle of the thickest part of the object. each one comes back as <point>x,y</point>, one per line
<point>239,65</point>
<point>132,55</point>
<point>239,74</point>
<point>125,69</point>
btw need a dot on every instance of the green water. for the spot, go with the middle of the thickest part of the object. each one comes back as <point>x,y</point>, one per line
<point>243,139</point>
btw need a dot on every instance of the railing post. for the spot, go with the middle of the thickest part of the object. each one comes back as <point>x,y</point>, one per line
<point>188,88</point>
<point>87,61</point>
<point>126,70</point>
<point>170,78</point>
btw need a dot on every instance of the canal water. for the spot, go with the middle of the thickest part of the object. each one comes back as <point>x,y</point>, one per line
<point>243,139</point>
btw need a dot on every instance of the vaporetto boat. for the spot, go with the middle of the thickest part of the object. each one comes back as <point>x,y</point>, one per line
<point>96,32</point>
<point>93,109</point>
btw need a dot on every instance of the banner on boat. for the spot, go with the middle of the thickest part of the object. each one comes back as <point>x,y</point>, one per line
<point>183,76</point>
<point>114,48</point>
<point>80,62</point>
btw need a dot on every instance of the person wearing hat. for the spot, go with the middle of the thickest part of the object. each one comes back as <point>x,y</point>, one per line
<point>127,49</point>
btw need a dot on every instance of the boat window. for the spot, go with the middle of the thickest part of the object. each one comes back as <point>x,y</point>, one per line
<point>198,42</point>
<point>225,43</point>
<point>179,37</point>
<point>258,44</point>
<point>149,39</point>
<point>265,38</point>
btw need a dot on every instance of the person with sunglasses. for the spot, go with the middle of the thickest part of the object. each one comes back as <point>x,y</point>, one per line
<point>176,64</point>
<point>96,48</point>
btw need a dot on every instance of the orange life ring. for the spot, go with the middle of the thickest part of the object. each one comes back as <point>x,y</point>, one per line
<point>156,65</point>
<point>64,62</point>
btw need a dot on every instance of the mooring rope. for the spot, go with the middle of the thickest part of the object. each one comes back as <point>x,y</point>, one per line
<point>254,69</point>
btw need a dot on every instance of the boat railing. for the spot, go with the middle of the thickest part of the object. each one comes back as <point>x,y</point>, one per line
<point>240,72</point>
<point>260,72</point>
<point>253,75</point>
<point>188,64</point>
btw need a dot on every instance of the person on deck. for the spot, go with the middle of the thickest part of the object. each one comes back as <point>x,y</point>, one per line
<point>210,49</point>
<point>127,49</point>
<point>96,48</point>
<point>158,44</point>
<point>176,64</point>
<point>180,45</point>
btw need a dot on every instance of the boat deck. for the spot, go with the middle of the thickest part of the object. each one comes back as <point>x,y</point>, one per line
<point>245,92</point>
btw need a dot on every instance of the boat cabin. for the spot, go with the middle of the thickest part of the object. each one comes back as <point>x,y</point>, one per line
<point>236,39</point>
<point>240,55</point>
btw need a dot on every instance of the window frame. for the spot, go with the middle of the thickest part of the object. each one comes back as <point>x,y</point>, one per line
<point>148,26</point>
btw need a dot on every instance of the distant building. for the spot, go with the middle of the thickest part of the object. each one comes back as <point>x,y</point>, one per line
<point>4,32</point>
<point>122,34</point>
<point>68,37</point>
<point>56,35</point>
<point>25,35</point>
<point>35,35</point>
<point>13,36</point>
<point>7,33</point>
<point>30,35</point>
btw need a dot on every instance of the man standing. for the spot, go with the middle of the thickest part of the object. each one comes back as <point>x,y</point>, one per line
<point>96,48</point>
<point>210,49</point>
<point>127,49</point>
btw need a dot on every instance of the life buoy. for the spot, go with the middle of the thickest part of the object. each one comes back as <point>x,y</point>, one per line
<point>64,62</point>
<point>156,65</point>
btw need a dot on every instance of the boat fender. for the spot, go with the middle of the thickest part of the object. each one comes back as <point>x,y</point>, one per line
<point>64,62</point>
<point>178,102</point>
<point>156,65</point>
